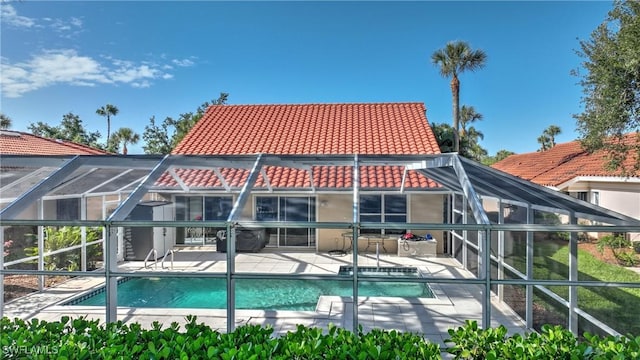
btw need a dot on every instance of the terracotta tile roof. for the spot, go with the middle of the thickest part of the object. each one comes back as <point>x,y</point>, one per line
<point>21,143</point>
<point>380,128</point>
<point>559,164</point>
<point>359,128</point>
<point>333,177</point>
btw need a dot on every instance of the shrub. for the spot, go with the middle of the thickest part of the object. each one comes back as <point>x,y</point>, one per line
<point>626,258</point>
<point>64,237</point>
<point>636,247</point>
<point>613,242</point>
<point>553,342</point>
<point>87,339</point>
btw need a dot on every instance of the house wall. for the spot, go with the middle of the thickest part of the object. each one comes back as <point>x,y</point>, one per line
<point>334,208</point>
<point>423,208</point>
<point>621,197</point>
<point>428,208</point>
<point>30,213</point>
<point>49,210</point>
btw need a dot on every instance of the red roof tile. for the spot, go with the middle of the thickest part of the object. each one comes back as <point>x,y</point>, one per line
<point>366,128</point>
<point>380,128</point>
<point>20,143</point>
<point>337,177</point>
<point>559,164</point>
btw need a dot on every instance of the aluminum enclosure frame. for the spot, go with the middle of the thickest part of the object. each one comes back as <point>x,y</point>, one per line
<point>453,173</point>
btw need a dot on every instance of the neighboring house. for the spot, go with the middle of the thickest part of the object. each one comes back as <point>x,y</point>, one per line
<point>21,143</point>
<point>365,128</point>
<point>567,167</point>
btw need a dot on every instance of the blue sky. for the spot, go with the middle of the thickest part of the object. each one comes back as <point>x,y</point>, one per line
<point>157,58</point>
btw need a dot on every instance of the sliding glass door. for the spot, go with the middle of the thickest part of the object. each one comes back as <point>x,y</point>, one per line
<point>200,208</point>
<point>288,208</point>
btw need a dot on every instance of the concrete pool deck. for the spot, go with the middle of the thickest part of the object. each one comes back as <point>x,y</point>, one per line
<point>432,317</point>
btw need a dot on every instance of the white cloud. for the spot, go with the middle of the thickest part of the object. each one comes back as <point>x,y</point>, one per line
<point>10,17</point>
<point>74,21</point>
<point>183,62</point>
<point>66,66</point>
<point>66,27</point>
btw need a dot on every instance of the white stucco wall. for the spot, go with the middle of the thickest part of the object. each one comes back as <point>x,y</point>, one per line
<point>423,208</point>
<point>622,197</point>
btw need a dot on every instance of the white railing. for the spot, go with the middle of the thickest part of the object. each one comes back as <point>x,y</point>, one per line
<point>52,252</point>
<point>155,258</point>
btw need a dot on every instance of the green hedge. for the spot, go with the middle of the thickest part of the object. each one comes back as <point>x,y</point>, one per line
<point>87,339</point>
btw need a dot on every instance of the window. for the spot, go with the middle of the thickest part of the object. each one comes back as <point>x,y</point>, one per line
<point>595,197</point>
<point>217,207</point>
<point>288,208</point>
<point>383,209</point>
<point>582,195</point>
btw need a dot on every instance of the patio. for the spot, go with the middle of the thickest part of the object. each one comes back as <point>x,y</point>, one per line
<point>432,317</point>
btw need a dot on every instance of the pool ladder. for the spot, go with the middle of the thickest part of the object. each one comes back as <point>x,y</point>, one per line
<point>155,258</point>
<point>154,252</point>
<point>169,252</point>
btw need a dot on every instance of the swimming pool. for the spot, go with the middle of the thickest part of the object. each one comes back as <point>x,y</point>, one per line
<point>252,294</point>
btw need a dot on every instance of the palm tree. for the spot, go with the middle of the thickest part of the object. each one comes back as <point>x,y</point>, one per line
<point>503,154</point>
<point>470,145</point>
<point>5,122</point>
<point>125,136</point>
<point>551,133</point>
<point>108,111</point>
<point>544,142</point>
<point>444,136</point>
<point>548,138</point>
<point>468,115</point>
<point>455,58</point>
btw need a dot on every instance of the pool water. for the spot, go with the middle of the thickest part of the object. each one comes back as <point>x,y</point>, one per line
<point>250,294</point>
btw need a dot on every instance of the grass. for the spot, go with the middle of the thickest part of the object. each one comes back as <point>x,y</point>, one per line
<point>616,307</point>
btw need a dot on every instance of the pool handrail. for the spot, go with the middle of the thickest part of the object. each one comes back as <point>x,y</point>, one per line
<point>155,258</point>
<point>169,251</point>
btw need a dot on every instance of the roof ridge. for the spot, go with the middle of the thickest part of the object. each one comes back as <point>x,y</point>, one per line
<point>66,143</point>
<point>71,143</point>
<point>330,104</point>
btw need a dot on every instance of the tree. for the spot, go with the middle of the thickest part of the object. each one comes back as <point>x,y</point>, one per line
<point>469,144</point>
<point>468,115</point>
<point>156,138</point>
<point>469,136</point>
<point>544,143</point>
<point>611,87</point>
<point>455,58</point>
<point>500,155</point>
<point>551,132</point>
<point>548,138</point>
<point>163,138</point>
<point>125,136</point>
<point>5,122</point>
<point>108,111</point>
<point>444,137</point>
<point>503,154</point>
<point>70,129</point>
